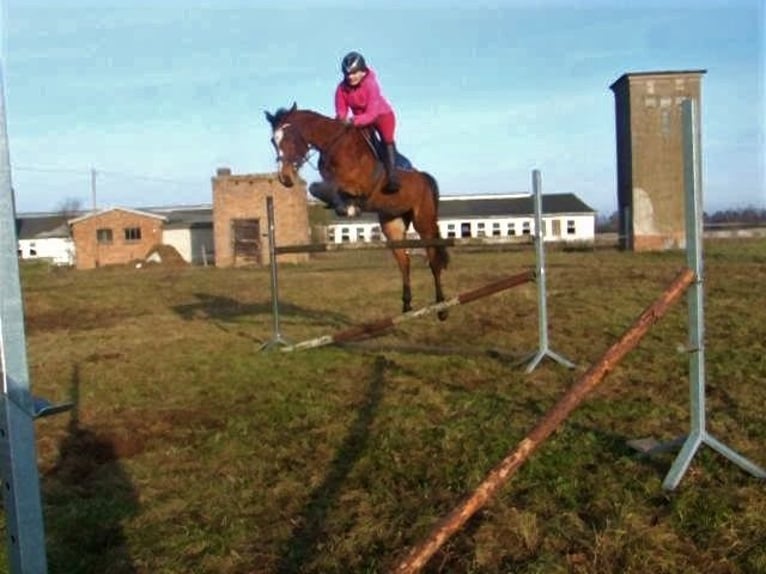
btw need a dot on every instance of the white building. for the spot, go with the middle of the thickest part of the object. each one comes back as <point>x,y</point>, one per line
<point>189,229</point>
<point>565,218</point>
<point>45,237</point>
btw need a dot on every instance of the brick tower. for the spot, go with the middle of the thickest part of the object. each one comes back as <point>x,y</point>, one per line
<point>650,187</point>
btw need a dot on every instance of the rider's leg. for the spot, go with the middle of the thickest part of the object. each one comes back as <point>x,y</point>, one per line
<point>386,125</point>
<point>329,193</point>
<point>390,161</point>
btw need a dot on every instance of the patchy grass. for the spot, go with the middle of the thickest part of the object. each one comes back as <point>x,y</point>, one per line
<point>192,452</point>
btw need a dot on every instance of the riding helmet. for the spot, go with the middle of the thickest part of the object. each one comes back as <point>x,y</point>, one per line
<point>353,62</point>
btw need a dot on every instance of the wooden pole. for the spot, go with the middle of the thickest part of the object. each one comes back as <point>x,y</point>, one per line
<point>367,329</point>
<point>418,556</point>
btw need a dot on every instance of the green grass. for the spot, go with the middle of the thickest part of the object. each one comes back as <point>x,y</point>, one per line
<point>192,452</point>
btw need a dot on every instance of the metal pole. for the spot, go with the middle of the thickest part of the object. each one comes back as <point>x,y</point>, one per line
<point>93,188</point>
<point>542,294</point>
<point>276,336</point>
<point>18,458</point>
<point>693,195</point>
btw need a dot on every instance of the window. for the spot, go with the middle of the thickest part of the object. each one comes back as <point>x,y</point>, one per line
<point>525,228</point>
<point>331,235</point>
<point>104,236</point>
<point>32,250</point>
<point>375,233</point>
<point>344,234</point>
<point>495,230</point>
<point>571,227</point>
<point>465,229</point>
<point>360,233</point>
<point>480,229</point>
<point>132,233</point>
<point>510,230</point>
<point>450,230</point>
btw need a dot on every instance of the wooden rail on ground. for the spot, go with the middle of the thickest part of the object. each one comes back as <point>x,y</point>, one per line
<point>418,556</point>
<point>373,327</point>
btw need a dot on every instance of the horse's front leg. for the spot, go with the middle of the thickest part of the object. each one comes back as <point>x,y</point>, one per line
<point>329,192</point>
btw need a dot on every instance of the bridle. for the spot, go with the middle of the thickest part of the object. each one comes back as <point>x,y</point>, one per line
<point>312,150</point>
<point>298,162</point>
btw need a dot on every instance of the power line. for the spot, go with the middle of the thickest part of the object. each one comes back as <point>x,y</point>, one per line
<point>86,173</point>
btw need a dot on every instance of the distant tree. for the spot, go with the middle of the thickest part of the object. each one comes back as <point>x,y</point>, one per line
<point>608,223</point>
<point>748,215</point>
<point>69,208</point>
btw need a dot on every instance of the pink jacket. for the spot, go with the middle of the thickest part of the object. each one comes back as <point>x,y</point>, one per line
<point>365,100</point>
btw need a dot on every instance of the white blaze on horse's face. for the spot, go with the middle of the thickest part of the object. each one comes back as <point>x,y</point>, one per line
<point>279,135</point>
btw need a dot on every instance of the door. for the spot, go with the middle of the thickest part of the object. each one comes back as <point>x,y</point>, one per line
<point>246,235</point>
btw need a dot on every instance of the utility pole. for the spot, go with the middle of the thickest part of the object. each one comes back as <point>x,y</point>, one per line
<point>93,187</point>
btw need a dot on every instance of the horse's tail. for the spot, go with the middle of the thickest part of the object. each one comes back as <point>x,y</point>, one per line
<point>441,250</point>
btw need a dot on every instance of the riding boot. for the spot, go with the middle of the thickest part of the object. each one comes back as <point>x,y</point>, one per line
<point>392,183</point>
<point>328,192</point>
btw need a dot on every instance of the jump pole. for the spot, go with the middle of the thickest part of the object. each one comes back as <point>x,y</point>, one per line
<point>276,334</point>
<point>18,457</point>
<point>419,555</point>
<point>694,241</point>
<point>373,327</point>
<point>543,349</point>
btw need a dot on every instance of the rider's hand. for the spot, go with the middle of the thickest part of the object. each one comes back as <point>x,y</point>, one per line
<point>349,121</point>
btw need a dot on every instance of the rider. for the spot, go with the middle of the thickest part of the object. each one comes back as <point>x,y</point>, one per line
<point>359,91</point>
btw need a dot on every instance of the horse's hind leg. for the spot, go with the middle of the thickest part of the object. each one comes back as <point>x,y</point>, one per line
<point>403,261</point>
<point>437,257</point>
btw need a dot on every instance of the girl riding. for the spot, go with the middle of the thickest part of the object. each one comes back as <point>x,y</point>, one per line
<point>360,93</point>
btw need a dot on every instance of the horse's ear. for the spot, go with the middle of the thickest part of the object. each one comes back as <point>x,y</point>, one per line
<point>295,107</point>
<point>269,118</point>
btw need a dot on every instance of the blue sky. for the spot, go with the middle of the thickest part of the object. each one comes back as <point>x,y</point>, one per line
<point>155,95</point>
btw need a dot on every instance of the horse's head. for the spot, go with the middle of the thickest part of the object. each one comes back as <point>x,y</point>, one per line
<point>290,145</point>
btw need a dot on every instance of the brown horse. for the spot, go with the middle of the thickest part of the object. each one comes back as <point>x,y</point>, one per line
<point>353,178</point>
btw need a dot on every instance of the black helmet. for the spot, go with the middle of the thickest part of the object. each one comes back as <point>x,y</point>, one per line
<point>353,62</point>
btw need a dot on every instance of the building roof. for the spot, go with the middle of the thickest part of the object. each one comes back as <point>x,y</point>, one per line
<point>189,219</point>
<point>629,75</point>
<point>487,206</point>
<point>140,213</point>
<point>38,227</point>
<point>503,206</point>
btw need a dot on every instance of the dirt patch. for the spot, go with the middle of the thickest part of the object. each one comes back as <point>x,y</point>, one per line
<point>165,255</point>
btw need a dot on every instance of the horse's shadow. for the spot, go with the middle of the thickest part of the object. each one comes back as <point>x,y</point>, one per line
<point>226,309</point>
<point>87,496</point>
<point>309,533</point>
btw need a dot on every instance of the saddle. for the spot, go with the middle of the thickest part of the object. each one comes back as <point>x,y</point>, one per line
<point>379,149</point>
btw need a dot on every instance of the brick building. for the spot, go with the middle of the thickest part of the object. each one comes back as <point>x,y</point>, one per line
<point>650,187</point>
<point>240,220</point>
<point>114,236</point>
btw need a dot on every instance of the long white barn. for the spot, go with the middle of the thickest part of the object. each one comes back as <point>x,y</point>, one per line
<point>565,217</point>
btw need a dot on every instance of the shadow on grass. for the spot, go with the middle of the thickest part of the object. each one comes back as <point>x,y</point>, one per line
<point>87,496</point>
<point>309,531</point>
<point>228,309</point>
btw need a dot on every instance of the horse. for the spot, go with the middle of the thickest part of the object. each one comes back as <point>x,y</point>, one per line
<point>353,179</point>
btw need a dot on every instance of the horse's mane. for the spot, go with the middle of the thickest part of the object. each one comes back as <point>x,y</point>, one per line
<point>279,115</point>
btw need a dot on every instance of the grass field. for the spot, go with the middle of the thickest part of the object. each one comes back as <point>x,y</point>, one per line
<point>191,452</point>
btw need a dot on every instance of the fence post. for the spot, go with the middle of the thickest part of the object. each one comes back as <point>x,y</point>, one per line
<point>693,194</point>
<point>276,335</point>
<point>18,458</point>
<point>544,349</point>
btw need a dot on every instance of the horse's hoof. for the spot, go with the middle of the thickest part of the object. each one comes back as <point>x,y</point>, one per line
<point>443,315</point>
